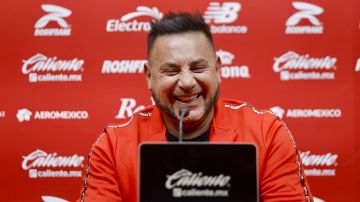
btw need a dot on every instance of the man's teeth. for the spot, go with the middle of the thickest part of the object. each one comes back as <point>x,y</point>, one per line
<point>188,99</point>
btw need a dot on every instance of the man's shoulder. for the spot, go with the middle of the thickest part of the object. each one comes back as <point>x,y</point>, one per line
<point>244,110</point>
<point>238,106</point>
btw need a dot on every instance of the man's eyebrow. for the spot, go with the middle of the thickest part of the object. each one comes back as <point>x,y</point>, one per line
<point>194,62</point>
<point>169,64</point>
<point>199,60</point>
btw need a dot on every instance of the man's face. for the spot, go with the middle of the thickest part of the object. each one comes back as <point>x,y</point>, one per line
<point>183,71</point>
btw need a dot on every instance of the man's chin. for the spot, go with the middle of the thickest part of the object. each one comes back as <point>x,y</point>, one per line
<point>195,116</point>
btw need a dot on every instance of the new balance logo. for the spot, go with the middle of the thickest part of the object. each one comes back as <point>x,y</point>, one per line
<point>227,13</point>
<point>56,14</point>
<point>307,12</point>
<point>224,13</point>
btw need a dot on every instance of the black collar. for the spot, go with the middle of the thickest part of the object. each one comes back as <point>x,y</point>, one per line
<point>202,138</point>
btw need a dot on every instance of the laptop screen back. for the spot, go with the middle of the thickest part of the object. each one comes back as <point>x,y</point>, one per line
<point>195,172</point>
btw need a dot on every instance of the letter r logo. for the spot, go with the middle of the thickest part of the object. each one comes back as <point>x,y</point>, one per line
<point>127,106</point>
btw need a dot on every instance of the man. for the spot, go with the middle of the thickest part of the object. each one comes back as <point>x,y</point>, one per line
<point>183,71</point>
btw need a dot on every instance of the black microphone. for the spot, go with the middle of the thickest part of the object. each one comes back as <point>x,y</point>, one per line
<point>183,112</point>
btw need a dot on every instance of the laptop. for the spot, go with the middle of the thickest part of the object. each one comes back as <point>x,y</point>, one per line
<point>198,172</point>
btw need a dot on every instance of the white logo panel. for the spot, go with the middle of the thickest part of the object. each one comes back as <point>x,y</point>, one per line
<point>185,183</point>
<point>293,66</point>
<point>278,111</point>
<point>220,15</point>
<point>225,13</point>
<point>307,113</point>
<point>128,22</point>
<point>55,14</point>
<point>357,65</point>
<point>41,68</point>
<point>307,12</point>
<point>23,115</point>
<point>319,164</point>
<point>228,70</point>
<point>2,114</point>
<point>127,108</point>
<point>123,66</point>
<point>52,199</point>
<point>40,164</point>
<point>318,200</point>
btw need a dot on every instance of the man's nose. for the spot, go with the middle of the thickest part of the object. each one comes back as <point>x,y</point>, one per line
<point>186,81</point>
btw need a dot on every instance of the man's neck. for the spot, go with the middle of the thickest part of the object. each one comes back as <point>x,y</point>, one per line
<point>191,131</point>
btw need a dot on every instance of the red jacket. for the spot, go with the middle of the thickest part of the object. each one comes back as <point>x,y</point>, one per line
<point>111,174</point>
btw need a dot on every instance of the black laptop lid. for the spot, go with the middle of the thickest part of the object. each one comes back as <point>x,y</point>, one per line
<point>198,172</point>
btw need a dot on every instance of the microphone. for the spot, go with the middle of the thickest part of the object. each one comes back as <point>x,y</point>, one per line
<point>183,112</point>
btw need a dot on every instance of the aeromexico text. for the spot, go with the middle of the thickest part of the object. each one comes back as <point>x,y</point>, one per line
<point>61,115</point>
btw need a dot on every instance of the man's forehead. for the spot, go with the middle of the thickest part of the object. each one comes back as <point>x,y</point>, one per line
<point>167,39</point>
<point>182,44</point>
<point>190,35</point>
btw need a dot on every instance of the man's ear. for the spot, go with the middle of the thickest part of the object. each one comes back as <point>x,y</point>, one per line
<point>218,67</point>
<point>147,74</point>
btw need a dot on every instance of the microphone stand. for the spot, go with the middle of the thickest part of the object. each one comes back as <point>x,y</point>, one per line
<point>184,112</point>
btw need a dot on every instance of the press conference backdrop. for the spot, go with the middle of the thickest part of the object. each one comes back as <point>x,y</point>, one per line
<point>68,68</point>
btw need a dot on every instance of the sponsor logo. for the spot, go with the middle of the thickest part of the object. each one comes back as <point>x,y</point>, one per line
<point>128,23</point>
<point>185,183</point>
<point>306,113</point>
<point>318,200</point>
<point>293,66</point>
<point>41,68</point>
<point>2,114</point>
<point>128,108</point>
<point>219,15</point>
<point>313,113</point>
<point>40,164</point>
<point>52,199</point>
<point>278,111</point>
<point>25,115</point>
<point>357,65</point>
<point>123,66</point>
<point>319,164</point>
<point>307,12</point>
<point>55,14</point>
<point>231,71</point>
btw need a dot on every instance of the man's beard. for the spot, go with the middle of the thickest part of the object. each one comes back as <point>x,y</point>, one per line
<point>170,111</point>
